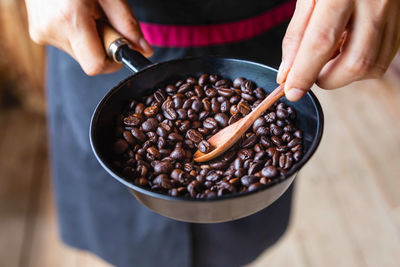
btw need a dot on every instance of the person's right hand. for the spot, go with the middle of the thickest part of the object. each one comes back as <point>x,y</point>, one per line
<point>71,26</point>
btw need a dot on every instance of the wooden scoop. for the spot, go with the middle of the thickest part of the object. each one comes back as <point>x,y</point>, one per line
<point>227,137</point>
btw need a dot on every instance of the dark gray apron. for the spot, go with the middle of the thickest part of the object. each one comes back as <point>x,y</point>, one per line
<point>98,214</point>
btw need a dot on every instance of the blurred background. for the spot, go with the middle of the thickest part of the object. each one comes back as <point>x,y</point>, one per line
<point>347,199</point>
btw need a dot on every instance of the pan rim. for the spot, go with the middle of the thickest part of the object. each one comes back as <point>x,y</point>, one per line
<point>306,157</point>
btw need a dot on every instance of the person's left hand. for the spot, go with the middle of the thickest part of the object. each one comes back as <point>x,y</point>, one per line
<point>336,42</point>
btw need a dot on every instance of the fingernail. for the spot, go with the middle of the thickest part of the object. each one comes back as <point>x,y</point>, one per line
<point>145,46</point>
<point>279,77</point>
<point>294,94</point>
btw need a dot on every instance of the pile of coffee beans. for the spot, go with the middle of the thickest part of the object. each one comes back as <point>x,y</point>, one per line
<point>157,136</point>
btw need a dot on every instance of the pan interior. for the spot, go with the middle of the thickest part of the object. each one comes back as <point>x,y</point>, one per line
<point>309,114</point>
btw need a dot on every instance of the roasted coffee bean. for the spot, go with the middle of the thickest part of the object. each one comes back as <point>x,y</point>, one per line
<point>220,165</point>
<point>281,123</point>
<point>150,111</point>
<point>178,153</point>
<point>289,128</point>
<point>162,181</point>
<point>129,138</point>
<point>294,142</point>
<point>226,92</point>
<point>197,105</point>
<point>282,114</point>
<point>120,146</point>
<point>250,141</point>
<point>139,108</point>
<point>234,118</point>
<point>152,137</point>
<point>255,167</point>
<point>258,123</point>
<point>276,140</point>
<point>265,142</point>
<point>215,105</point>
<point>153,152</point>
<point>138,134</point>
<point>204,146</point>
<point>225,106</point>
<point>159,96</point>
<point>213,78</point>
<point>150,124</point>
<point>194,135</point>
<point>222,119</point>
<point>254,186</point>
<point>248,180</point>
<point>298,134</point>
<point>269,172</point>
<point>185,125</point>
<point>234,110</point>
<point>161,132</point>
<point>163,167</point>
<point>204,79</point>
<point>245,154</point>
<point>260,94</point>
<point>275,130</point>
<point>192,115</point>
<point>184,88</point>
<point>259,156</point>
<point>286,137</point>
<point>297,156</point>
<point>213,176</point>
<point>170,88</point>
<point>248,97</point>
<point>238,163</point>
<point>244,108</point>
<point>270,117</point>
<point>175,137</point>
<point>132,120</point>
<point>262,131</point>
<point>248,86</point>
<point>203,115</point>
<point>206,104</point>
<point>223,83</point>
<point>210,123</point>
<point>237,83</point>
<point>211,92</point>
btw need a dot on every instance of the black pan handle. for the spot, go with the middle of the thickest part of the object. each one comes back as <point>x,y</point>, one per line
<point>119,50</point>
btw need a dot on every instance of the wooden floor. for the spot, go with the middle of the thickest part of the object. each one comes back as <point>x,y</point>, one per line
<point>347,202</point>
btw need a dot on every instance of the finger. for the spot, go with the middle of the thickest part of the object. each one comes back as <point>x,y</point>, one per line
<point>317,46</point>
<point>87,47</point>
<point>358,57</point>
<point>124,21</point>
<point>390,43</point>
<point>293,36</point>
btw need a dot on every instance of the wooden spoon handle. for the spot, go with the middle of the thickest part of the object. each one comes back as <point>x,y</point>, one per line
<point>267,102</point>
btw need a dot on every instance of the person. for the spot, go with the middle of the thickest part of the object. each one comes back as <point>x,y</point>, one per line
<point>330,43</point>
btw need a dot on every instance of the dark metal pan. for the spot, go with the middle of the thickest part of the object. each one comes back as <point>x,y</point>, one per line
<point>149,76</point>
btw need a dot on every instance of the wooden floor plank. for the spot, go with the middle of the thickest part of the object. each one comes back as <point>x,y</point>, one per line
<point>352,177</point>
<point>286,253</point>
<point>47,250</point>
<point>16,167</point>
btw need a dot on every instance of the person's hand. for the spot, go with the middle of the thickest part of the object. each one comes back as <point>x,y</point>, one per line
<point>71,26</point>
<point>336,42</point>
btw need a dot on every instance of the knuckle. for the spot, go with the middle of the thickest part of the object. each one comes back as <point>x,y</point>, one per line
<point>36,35</point>
<point>95,67</point>
<point>289,40</point>
<point>377,72</point>
<point>359,68</point>
<point>132,28</point>
<point>322,41</point>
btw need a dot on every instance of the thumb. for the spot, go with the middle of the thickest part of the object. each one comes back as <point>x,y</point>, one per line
<point>121,17</point>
